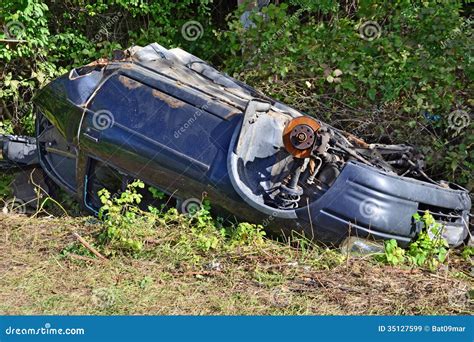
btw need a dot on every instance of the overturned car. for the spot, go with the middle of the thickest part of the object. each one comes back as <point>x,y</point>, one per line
<point>170,119</point>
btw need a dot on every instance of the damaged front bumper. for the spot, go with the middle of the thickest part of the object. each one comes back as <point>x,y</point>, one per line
<point>365,201</point>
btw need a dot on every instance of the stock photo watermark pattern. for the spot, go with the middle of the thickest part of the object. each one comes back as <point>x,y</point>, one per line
<point>103,297</point>
<point>13,29</point>
<point>370,30</point>
<point>192,30</point>
<point>182,129</point>
<point>458,120</point>
<point>458,297</point>
<point>294,18</point>
<point>283,296</point>
<point>103,119</point>
<point>105,28</point>
<point>14,206</point>
<point>191,206</point>
<point>370,209</point>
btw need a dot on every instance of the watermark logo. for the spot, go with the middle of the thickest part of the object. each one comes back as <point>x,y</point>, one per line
<point>370,30</point>
<point>269,219</point>
<point>13,29</point>
<point>191,206</point>
<point>282,30</point>
<point>192,30</point>
<point>103,119</point>
<point>103,298</point>
<point>458,296</point>
<point>370,209</point>
<point>105,28</point>
<point>281,297</point>
<point>458,120</point>
<point>14,206</point>
<point>46,330</point>
<point>191,120</point>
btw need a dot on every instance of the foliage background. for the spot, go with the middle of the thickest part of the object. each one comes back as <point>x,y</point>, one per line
<point>400,87</point>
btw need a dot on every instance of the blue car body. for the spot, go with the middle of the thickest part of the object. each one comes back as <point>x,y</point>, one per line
<point>168,118</point>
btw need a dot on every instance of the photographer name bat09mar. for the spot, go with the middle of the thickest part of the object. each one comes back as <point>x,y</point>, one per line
<point>420,328</point>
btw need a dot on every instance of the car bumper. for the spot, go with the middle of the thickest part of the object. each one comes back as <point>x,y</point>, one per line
<point>365,201</point>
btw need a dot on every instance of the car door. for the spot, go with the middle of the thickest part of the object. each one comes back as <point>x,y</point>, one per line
<point>151,134</point>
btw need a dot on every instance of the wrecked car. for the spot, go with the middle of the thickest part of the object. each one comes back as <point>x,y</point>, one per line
<point>175,122</point>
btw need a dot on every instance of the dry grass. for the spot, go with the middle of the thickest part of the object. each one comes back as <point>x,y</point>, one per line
<point>35,278</point>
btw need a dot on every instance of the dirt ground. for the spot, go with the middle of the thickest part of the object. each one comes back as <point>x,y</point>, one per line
<point>37,277</point>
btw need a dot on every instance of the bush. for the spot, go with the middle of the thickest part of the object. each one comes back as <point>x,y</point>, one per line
<point>125,226</point>
<point>428,250</point>
<point>390,71</point>
<point>128,229</point>
<point>44,39</point>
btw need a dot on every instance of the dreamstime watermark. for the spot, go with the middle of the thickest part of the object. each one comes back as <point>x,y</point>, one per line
<point>192,30</point>
<point>359,130</point>
<point>103,298</point>
<point>103,119</point>
<point>13,29</point>
<point>104,29</point>
<point>14,206</point>
<point>191,121</point>
<point>268,220</point>
<point>458,296</point>
<point>370,30</point>
<point>46,330</point>
<point>281,31</point>
<point>281,297</point>
<point>191,206</point>
<point>455,34</point>
<point>458,120</point>
<point>370,209</point>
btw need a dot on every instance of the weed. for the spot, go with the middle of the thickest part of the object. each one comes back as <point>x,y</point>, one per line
<point>467,253</point>
<point>428,250</point>
<point>127,229</point>
<point>157,194</point>
<point>165,279</point>
<point>5,185</point>
<point>393,255</point>
<point>126,226</point>
<point>269,279</point>
<point>247,234</point>
<point>146,282</point>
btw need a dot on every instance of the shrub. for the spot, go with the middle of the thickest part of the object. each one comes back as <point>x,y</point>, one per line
<point>126,228</point>
<point>48,38</point>
<point>125,225</point>
<point>428,250</point>
<point>389,71</point>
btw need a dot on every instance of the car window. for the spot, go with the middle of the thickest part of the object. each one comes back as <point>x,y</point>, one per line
<point>101,176</point>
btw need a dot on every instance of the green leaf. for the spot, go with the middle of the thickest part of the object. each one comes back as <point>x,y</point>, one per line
<point>372,93</point>
<point>349,86</point>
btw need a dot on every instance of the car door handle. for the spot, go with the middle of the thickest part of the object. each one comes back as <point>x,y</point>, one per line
<point>92,134</point>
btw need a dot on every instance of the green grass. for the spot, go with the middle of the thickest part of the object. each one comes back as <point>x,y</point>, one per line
<point>37,276</point>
